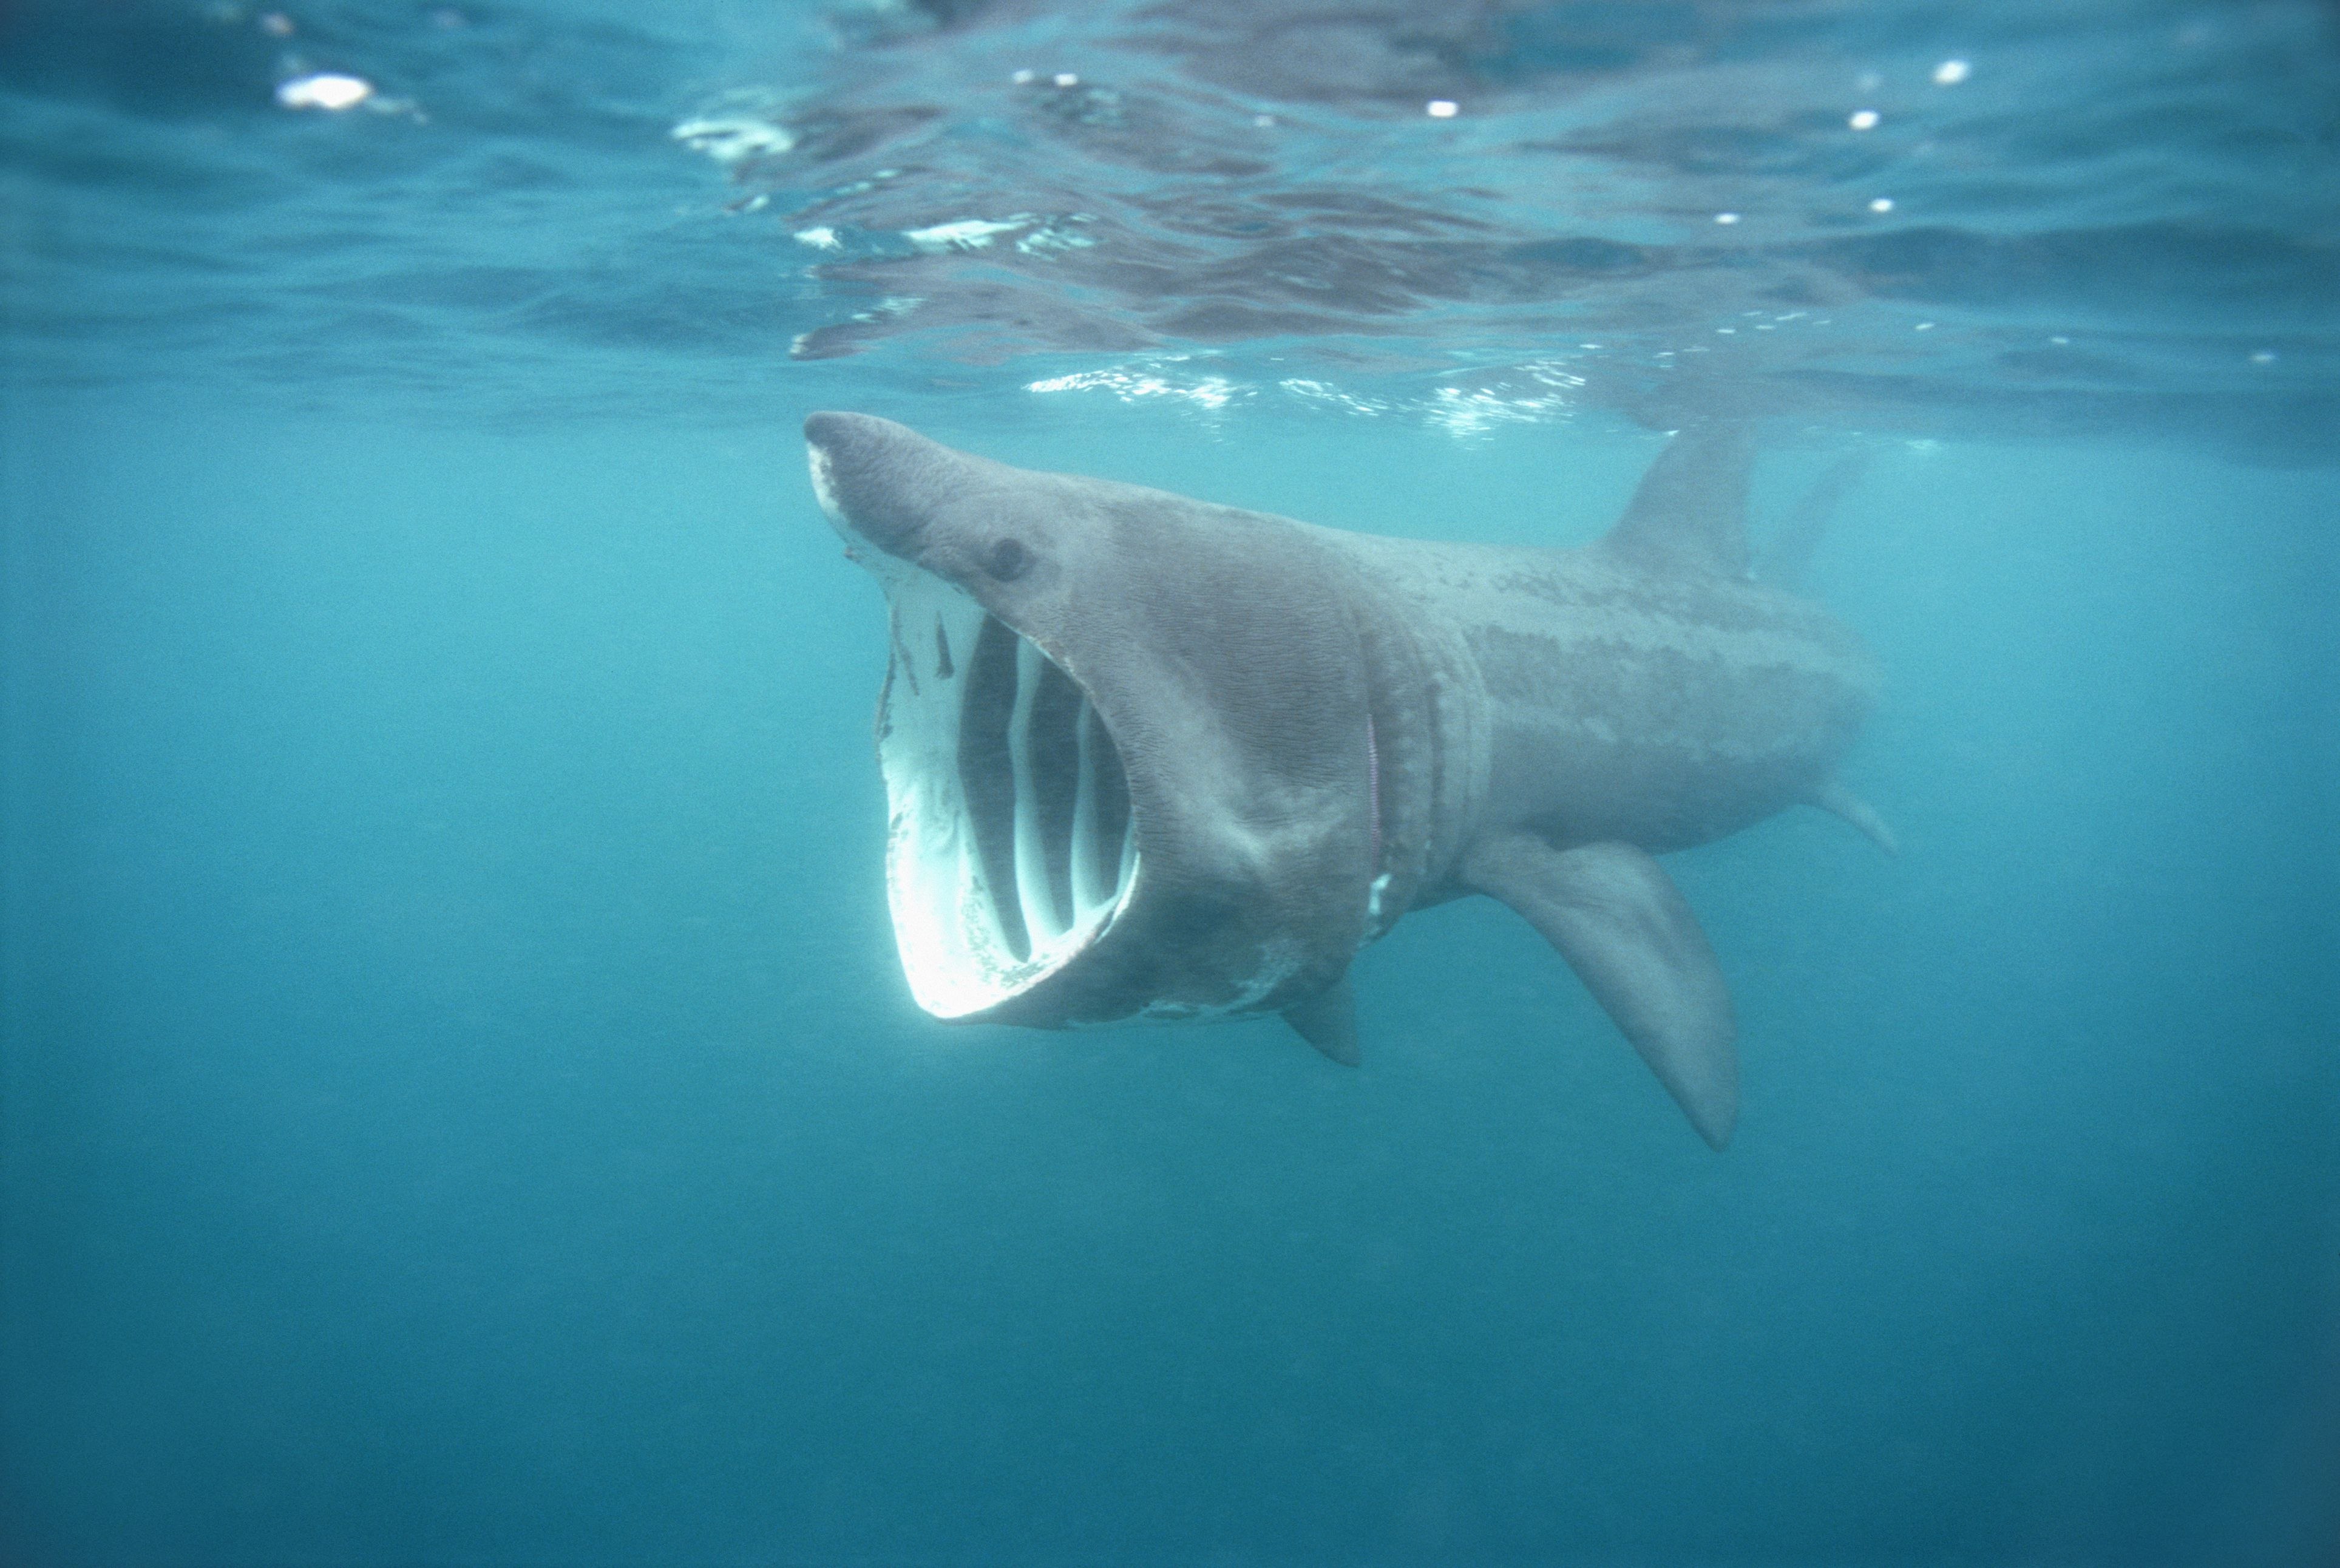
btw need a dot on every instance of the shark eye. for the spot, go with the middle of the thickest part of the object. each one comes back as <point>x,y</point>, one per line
<point>1007,560</point>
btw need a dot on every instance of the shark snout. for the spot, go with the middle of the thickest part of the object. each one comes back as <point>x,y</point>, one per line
<point>878,482</point>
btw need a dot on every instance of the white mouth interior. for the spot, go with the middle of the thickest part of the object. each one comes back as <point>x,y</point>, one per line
<point>1011,846</point>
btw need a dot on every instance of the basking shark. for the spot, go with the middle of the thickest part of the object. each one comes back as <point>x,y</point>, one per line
<point>1152,758</point>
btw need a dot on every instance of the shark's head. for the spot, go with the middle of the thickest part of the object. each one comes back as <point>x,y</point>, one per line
<point>1123,734</point>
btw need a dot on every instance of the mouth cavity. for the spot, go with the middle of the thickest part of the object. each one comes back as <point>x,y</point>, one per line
<point>1011,847</point>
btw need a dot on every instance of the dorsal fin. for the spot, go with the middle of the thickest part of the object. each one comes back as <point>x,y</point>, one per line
<point>1691,509</point>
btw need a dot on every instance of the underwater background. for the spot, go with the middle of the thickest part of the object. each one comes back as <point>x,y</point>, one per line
<point>459,1101</point>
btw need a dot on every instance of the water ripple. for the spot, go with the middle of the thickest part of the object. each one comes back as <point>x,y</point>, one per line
<point>2020,217</point>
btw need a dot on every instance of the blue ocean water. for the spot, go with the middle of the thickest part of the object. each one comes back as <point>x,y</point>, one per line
<point>459,1101</point>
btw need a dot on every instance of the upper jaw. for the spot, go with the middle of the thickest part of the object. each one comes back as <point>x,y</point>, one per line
<point>858,546</point>
<point>1012,841</point>
<point>881,481</point>
<point>823,491</point>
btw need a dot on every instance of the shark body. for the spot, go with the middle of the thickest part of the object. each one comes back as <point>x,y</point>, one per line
<point>1152,758</point>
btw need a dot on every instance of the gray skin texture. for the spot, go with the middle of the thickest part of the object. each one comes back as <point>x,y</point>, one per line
<point>1323,730</point>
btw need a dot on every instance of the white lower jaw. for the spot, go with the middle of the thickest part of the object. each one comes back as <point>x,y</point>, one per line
<point>1010,846</point>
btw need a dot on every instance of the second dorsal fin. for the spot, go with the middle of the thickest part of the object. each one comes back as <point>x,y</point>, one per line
<point>1788,555</point>
<point>1691,509</point>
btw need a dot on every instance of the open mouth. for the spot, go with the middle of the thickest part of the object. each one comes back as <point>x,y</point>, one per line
<point>1011,846</point>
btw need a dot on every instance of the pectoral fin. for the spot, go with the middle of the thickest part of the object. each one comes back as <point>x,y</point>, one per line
<point>1328,1021</point>
<point>1629,934</point>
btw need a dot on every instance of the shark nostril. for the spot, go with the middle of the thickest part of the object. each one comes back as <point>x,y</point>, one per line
<point>1007,560</point>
